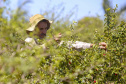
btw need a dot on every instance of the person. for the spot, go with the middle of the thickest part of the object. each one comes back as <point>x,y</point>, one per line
<point>39,27</point>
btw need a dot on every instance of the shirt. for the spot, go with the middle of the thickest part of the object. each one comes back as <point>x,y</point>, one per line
<point>70,44</point>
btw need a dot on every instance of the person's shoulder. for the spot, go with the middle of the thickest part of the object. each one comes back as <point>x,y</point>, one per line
<point>28,40</point>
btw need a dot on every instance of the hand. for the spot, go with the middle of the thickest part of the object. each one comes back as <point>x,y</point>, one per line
<point>102,45</point>
<point>57,37</point>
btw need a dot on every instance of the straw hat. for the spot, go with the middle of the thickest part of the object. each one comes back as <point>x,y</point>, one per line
<point>34,20</point>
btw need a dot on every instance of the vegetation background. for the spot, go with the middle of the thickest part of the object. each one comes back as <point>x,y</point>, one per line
<point>21,63</point>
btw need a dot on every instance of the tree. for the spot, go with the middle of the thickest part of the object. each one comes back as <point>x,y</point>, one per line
<point>87,27</point>
<point>107,4</point>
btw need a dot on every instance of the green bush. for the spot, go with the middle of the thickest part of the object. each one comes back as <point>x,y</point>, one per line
<point>23,64</point>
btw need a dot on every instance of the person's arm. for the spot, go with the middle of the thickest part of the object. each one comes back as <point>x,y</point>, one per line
<point>58,38</point>
<point>84,45</point>
<point>79,44</point>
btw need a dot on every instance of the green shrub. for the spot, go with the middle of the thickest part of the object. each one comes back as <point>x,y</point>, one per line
<point>21,63</point>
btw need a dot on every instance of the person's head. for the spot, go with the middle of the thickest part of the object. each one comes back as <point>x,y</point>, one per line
<point>39,26</point>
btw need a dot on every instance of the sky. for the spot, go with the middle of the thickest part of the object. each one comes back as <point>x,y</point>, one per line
<point>82,8</point>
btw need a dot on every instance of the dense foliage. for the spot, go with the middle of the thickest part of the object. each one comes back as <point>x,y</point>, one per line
<point>21,63</point>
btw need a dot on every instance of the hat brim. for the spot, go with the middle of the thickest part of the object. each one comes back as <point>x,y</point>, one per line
<point>32,28</point>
